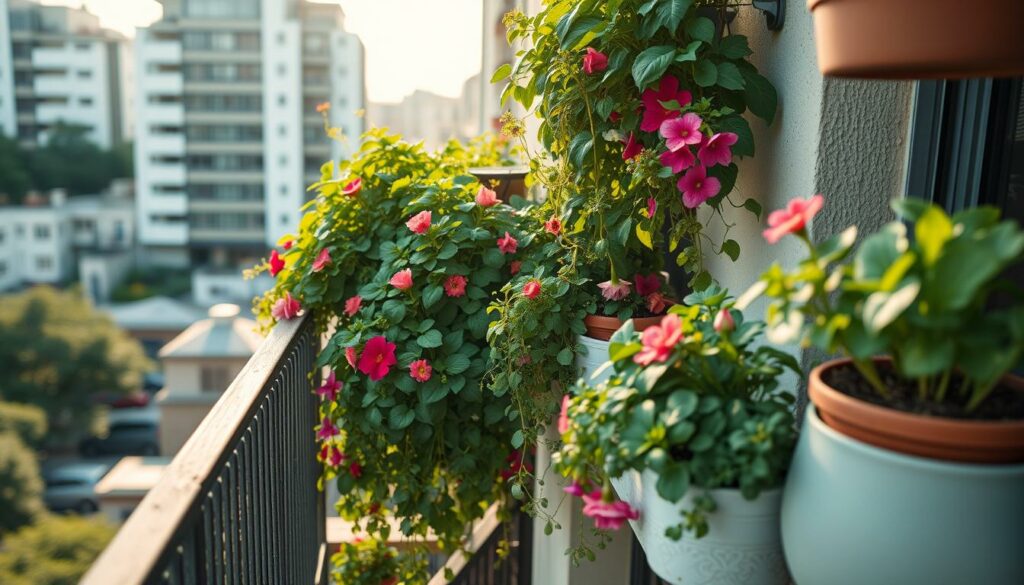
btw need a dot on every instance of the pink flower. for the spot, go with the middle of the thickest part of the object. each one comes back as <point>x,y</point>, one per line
<point>455,286</point>
<point>337,457</point>
<point>607,515</point>
<point>353,187</point>
<point>326,430</point>
<point>486,197</point>
<point>355,469</point>
<point>646,285</point>
<point>594,61</point>
<point>402,280</point>
<point>793,219</point>
<point>285,308</point>
<point>378,357</point>
<point>659,340</point>
<point>697,187</point>
<point>724,321</point>
<point>615,292</point>
<point>654,112</point>
<point>322,260</point>
<point>656,302</point>
<point>717,150</point>
<point>553,226</point>
<point>330,388</point>
<point>419,223</point>
<point>516,463</point>
<point>353,304</point>
<point>614,117</point>
<point>681,132</point>
<point>351,356</point>
<point>514,267</point>
<point>563,416</point>
<point>633,148</point>
<point>508,244</point>
<point>652,206</point>
<point>288,244</point>
<point>276,263</point>
<point>420,370</point>
<point>679,160</point>
<point>531,289</point>
<point>574,489</point>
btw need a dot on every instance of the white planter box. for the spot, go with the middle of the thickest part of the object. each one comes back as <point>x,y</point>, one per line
<point>597,355</point>
<point>742,547</point>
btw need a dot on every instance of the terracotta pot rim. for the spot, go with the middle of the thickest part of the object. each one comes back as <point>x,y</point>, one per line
<point>818,391</point>
<point>595,323</point>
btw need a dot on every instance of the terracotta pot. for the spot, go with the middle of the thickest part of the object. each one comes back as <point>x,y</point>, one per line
<point>506,181</point>
<point>918,39</point>
<point>601,327</point>
<point>974,441</point>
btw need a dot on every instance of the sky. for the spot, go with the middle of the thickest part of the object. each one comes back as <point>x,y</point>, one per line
<point>432,45</point>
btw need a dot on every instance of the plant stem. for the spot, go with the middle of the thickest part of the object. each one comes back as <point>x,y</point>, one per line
<point>922,388</point>
<point>868,371</point>
<point>940,394</point>
<point>981,392</point>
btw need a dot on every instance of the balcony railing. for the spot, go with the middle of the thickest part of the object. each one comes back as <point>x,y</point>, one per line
<point>239,503</point>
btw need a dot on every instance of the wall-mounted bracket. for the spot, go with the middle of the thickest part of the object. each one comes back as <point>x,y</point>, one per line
<point>774,12</point>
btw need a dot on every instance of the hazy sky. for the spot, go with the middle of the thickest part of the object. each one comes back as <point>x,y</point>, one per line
<point>410,44</point>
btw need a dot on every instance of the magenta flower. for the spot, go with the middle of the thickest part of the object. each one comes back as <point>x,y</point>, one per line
<point>681,132</point>
<point>337,458</point>
<point>717,150</point>
<point>607,515</point>
<point>697,187</point>
<point>531,289</point>
<point>654,112</point>
<point>659,340</point>
<point>276,263</point>
<point>288,244</point>
<point>679,160</point>
<point>574,489</point>
<point>657,303</point>
<point>455,286</point>
<point>285,308</point>
<point>402,280</point>
<point>326,430</point>
<point>486,197</point>
<point>330,388</point>
<point>353,304</point>
<point>419,223</point>
<point>355,469</point>
<point>378,357</point>
<point>632,148</point>
<point>793,219</point>
<point>594,61</point>
<point>514,267</point>
<point>652,206</point>
<point>351,356</point>
<point>353,187</point>
<point>322,260</point>
<point>563,416</point>
<point>508,244</point>
<point>420,370</point>
<point>724,321</point>
<point>615,292</point>
<point>646,285</point>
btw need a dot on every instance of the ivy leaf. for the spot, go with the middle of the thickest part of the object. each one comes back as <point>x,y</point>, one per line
<point>651,64</point>
<point>701,28</point>
<point>430,339</point>
<point>729,76</point>
<point>732,47</point>
<point>400,417</point>
<point>753,206</point>
<point>731,248</point>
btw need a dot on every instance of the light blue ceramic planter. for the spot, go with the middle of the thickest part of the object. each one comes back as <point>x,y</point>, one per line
<point>854,514</point>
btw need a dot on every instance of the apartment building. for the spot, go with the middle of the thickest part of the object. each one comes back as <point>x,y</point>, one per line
<point>228,135</point>
<point>58,65</point>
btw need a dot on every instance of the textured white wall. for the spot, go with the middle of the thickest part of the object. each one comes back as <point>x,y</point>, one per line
<point>8,119</point>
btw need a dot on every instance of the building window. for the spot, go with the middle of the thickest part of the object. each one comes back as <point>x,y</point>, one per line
<point>284,190</point>
<point>281,38</point>
<point>282,130</point>
<point>286,219</point>
<point>42,232</point>
<point>85,101</point>
<point>282,69</point>
<point>214,378</point>
<point>282,160</point>
<point>44,263</point>
<point>282,99</point>
<point>82,46</point>
<point>84,74</point>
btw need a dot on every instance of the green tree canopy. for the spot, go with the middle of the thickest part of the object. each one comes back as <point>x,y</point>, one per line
<point>24,420</point>
<point>20,486</point>
<point>57,550</point>
<point>57,352</point>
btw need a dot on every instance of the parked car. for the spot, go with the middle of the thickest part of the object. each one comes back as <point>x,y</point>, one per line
<point>72,486</point>
<point>129,437</point>
<point>137,399</point>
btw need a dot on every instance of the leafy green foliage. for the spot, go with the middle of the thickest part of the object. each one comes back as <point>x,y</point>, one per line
<point>57,351</point>
<point>24,420</point>
<point>709,415</point>
<point>21,488</point>
<point>370,561</point>
<point>924,301</point>
<point>57,550</point>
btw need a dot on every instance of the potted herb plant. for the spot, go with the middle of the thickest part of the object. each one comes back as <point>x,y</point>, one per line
<point>914,441</point>
<point>368,561</point>
<point>695,434</point>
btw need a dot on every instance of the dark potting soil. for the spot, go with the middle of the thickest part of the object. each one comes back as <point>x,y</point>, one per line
<point>1003,403</point>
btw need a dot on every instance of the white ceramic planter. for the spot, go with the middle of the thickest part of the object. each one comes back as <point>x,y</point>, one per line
<point>854,514</point>
<point>596,356</point>
<point>742,547</point>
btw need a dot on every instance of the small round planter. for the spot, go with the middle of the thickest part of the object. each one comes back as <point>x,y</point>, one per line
<point>914,434</point>
<point>599,330</point>
<point>742,547</point>
<point>854,514</point>
<point>918,39</point>
<point>602,328</point>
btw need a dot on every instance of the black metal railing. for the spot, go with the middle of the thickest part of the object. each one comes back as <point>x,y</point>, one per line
<point>483,565</point>
<point>239,503</point>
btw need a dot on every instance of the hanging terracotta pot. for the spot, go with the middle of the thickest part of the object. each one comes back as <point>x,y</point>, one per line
<point>918,39</point>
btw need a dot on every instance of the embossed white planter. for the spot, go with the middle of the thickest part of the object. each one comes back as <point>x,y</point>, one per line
<point>597,355</point>
<point>742,547</point>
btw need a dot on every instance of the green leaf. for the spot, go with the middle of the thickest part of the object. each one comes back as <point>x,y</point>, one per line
<point>737,124</point>
<point>879,251</point>
<point>565,357</point>
<point>882,308</point>
<point>517,439</point>
<point>705,74</point>
<point>731,248</point>
<point>430,339</point>
<point>729,76</point>
<point>394,310</point>
<point>400,417</point>
<point>932,230</point>
<point>502,73</point>
<point>923,354</point>
<point>683,401</point>
<point>577,30</point>
<point>651,64</point>
<point>753,206</point>
<point>689,53</point>
<point>579,148</point>
<point>431,294</point>
<point>456,364</point>
<point>673,481</point>
<point>701,28</point>
<point>733,47</point>
<point>434,393</point>
<point>671,13</point>
<point>759,94</point>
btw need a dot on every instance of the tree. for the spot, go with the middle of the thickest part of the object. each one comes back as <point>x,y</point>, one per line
<point>24,420</point>
<point>20,485</point>
<point>57,352</point>
<point>57,550</point>
<point>14,176</point>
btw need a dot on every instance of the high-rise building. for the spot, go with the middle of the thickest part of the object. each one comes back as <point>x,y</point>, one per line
<point>228,136</point>
<point>57,65</point>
